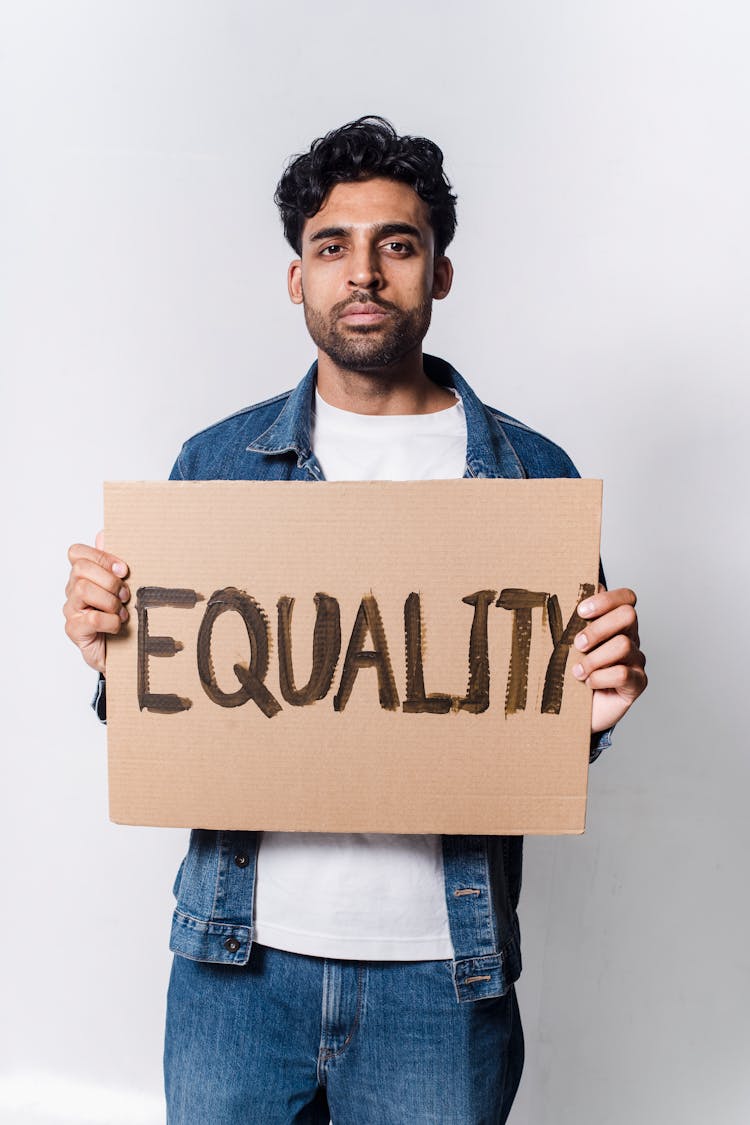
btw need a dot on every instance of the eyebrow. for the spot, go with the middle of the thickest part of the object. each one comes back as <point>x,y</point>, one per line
<point>380,230</point>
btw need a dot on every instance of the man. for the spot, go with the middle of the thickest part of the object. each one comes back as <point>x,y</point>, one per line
<point>362,975</point>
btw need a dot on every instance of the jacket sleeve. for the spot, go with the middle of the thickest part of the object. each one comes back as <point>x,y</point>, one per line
<point>599,741</point>
<point>99,702</point>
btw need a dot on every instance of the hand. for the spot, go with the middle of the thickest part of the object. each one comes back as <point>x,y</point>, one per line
<point>613,662</point>
<point>95,599</point>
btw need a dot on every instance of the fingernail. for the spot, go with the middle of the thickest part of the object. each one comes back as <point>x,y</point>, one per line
<point>585,608</point>
<point>123,614</point>
<point>581,640</point>
<point>124,594</point>
<point>578,672</point>
<point>119,569</point>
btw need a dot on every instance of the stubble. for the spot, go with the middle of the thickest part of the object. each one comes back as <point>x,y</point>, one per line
<point>367,347</point>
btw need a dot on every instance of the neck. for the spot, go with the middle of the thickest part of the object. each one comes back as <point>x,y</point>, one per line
<point>400,388</point>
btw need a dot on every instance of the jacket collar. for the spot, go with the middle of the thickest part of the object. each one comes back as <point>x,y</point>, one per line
<point>290,430</point>
<point>489,453</point>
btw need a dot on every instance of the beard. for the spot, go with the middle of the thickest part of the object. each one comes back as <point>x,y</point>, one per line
<point>368,347</point>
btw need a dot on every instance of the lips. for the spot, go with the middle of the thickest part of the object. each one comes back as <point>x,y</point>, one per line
<point>363,313</point>
<point>358,307</point>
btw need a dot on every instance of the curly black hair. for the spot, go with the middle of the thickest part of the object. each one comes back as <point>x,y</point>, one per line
<point>364,148</point>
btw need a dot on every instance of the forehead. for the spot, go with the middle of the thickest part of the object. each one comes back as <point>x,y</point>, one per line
<point>372,202</point>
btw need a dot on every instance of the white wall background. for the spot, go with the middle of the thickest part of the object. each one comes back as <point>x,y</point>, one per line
<point>600,152</point>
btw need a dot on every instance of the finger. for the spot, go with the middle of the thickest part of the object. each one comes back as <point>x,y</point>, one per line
<point>86,614</point>
<point>623,619</point>
<point>605,601</point>
<point>618,650</point>
<point>625,679</point>
<point>88,595</point>
<point>101,558</point>
<point>85,570</point>
<point>83,626</point>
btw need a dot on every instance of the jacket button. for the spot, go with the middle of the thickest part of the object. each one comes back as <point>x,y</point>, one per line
<point>241,859</point>
<point>231,944</point>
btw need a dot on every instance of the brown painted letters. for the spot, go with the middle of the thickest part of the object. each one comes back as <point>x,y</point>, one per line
<point>153,597</point>
<point>326,649</point>
<point>250,677</point>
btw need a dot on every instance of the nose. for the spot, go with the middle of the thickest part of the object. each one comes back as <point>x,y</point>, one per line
<point>364,269</point>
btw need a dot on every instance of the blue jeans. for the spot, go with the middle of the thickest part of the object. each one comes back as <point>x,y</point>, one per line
<point>291,1038</point>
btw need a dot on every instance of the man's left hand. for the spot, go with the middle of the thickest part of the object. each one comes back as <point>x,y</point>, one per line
<point>610,660</point>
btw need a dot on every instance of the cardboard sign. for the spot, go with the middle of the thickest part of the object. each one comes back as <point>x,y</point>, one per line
<point>352,657</point>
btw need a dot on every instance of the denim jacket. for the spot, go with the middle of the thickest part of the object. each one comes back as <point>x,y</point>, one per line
<point>215,883</point>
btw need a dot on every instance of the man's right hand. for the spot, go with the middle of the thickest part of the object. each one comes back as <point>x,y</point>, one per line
<point>96,597</point>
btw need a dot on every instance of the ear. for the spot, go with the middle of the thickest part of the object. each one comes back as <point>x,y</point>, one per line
<point>294,281</point>
<point>442,278</point>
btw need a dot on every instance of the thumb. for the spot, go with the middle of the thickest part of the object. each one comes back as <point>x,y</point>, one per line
<point>99,541</point>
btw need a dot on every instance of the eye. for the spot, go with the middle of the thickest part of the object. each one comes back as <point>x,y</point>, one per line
<point>400,248</point>
<point>332,249</point>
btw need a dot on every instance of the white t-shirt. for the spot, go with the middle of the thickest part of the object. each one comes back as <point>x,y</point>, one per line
<point>364,895</point>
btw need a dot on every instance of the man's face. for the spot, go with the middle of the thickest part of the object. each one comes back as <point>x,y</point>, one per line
<point>368,275</point>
